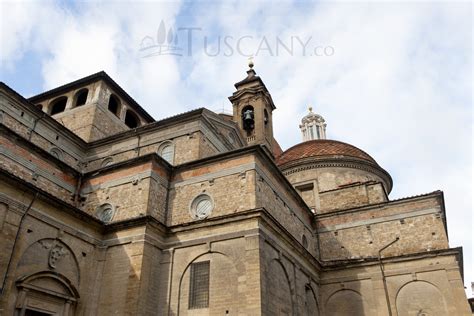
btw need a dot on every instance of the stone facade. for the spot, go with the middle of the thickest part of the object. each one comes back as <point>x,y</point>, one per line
<point>203,214</point>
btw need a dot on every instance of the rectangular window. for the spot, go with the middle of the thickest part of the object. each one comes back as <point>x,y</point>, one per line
<point>199,285</point>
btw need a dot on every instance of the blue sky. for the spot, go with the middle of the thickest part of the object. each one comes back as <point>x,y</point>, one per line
<point>393,78</point>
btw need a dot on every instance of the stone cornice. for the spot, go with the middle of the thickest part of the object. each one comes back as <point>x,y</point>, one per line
<point>369,261</point>
<point>342,162</point>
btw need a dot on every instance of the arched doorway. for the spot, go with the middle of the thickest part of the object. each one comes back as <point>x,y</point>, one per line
<point>45,293</point>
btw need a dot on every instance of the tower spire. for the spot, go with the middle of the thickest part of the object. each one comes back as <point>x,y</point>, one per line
<point>313,126</point>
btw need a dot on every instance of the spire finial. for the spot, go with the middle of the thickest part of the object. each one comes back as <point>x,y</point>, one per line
<point>310,108</point>
<point>251,64</point>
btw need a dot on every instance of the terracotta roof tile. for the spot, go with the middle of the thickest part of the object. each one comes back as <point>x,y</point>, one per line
<point>322,148</point>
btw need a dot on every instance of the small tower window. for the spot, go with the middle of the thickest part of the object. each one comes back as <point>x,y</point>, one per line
<point>248,118</point>
<point>131,119</point>
<point>265,116</point>
<point>81,97</point>
<point>58,105</point>
<point>114,105</point>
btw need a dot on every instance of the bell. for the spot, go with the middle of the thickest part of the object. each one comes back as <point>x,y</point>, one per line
<point>248,120</point>
<point>248,115</point>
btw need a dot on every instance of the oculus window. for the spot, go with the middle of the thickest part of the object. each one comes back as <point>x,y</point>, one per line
<point>202,206</point>
<point>106,212</point>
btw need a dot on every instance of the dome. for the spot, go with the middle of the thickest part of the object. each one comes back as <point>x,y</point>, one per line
<point>322,148</point>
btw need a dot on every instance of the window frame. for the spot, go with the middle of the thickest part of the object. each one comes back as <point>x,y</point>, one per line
<point>195,301</point>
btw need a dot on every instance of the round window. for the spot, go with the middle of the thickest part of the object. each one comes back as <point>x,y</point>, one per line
<point>105,212</point>
<point>202,206</point>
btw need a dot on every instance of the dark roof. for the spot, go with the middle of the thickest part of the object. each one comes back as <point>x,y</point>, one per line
<point>92,78</point>
<point>322,148</point>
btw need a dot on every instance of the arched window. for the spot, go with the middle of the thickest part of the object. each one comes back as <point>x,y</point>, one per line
<point>131,119</point>
<point>318,132</point>
<point>167,152</point>
<point>58,105</point>
<point>265,116</point>
<point>81,97</point>
<point>114,105</point>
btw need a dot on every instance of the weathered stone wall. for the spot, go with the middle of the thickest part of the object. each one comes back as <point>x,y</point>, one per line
<point>330,178</point>
<point>133,191</point>
<point>121,278</point>
<point>45,229</point>
<point>355,234</point>
<point>31,166</point>
<point>188,146</point>
<point>351,196</point>
<point>430,285</point>
<point>233,252</point>
<point>275,198</point>
<point>23,121</point>
<point>230,183</point>
<point>206,148</point>
<point>318,184</point>
<point>289,282</point>
<point>91,122</point>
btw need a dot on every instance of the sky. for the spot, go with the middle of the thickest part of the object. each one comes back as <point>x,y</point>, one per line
<point>393,78</point>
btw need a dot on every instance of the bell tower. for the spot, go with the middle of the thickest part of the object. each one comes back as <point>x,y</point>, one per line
<point>252,110</point>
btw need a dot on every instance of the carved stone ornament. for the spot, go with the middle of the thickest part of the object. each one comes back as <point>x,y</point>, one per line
<point>55,254</point>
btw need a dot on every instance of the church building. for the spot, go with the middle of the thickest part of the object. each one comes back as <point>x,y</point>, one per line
<point>106,211</point>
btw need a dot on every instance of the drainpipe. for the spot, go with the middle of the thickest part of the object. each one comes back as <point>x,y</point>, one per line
<point>383,274</point>
<point>170,281</point>
<point>15,242</point>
